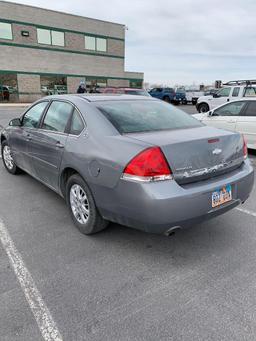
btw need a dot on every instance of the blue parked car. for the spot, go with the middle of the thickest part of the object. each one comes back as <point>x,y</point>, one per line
<point>181,96</point>
<point>168,95</point>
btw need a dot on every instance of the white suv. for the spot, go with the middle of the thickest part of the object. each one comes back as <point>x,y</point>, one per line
<point>231,91</point>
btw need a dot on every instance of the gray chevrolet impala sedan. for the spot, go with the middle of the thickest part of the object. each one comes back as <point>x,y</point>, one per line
<point>133,160</point>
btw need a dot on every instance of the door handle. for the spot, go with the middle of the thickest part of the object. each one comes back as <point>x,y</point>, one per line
<point>231,121</point>
<point>59,145</point>
<point>228,100</point>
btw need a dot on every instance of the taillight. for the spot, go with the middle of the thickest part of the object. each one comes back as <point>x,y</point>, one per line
<point>149,165</point>
<point>245,150</point>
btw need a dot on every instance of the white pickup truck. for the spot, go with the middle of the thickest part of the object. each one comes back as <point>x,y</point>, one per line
<point>231,91</point>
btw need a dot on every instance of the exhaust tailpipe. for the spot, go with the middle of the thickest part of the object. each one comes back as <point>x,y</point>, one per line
<point>172,230</point>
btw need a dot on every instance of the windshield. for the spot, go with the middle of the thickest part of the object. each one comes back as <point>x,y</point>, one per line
<point>141,116</point>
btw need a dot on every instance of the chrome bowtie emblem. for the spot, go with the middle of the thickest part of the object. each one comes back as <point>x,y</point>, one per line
<point>216,151</point>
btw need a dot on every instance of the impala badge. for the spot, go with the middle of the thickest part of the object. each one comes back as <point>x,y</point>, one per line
<point>216,151</point>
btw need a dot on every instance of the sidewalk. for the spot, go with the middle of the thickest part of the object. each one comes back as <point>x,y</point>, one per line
<point>6,104</point>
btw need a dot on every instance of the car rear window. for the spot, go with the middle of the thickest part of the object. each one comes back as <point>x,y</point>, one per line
<point>142,116</point>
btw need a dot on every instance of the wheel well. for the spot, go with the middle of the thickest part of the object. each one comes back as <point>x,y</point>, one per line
<point>203,103</point>
<point>2,138</point>
<point>65,175</point>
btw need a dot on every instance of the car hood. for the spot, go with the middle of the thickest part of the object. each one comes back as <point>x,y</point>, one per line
<point>204,98</point>
<point>200,117</point>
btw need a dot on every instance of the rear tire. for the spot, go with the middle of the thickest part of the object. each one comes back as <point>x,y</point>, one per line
<point>203,107</point>
<point>167,99</point>
<point>82,207</point>
<point>7,158</point>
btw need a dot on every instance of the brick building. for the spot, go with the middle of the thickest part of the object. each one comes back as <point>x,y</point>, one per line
<point>44,51</point>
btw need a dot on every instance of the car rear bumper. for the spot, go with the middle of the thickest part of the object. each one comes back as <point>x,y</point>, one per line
<point>157,207</point>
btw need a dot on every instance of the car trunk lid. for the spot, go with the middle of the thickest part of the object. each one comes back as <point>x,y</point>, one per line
<point>198,153</point>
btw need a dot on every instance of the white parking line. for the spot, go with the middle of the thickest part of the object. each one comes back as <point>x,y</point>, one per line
<point>40,311</point>
<point>246,211</point>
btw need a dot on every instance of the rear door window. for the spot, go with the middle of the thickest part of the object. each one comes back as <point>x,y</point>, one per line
<point>77,124</point>
<point>251,109</point>
<point>248,92</point>
<point>57,116</point>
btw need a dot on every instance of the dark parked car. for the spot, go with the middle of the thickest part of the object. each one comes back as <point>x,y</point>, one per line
<point>133,160</point>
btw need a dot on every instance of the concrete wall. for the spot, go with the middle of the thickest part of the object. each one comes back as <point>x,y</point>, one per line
<point>43,61</point>
<point>118,82</point>
<point>73,83</point>
<point>56,19</point>
<point>29,87</point>
<point>73,41</point>
<point>30,60</point>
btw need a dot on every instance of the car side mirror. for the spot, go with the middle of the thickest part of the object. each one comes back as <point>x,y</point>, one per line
<point>212,113</point>
<point>215,95</point>
<point>15,122</point>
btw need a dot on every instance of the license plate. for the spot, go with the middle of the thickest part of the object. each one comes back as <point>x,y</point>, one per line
<point>221,196</point>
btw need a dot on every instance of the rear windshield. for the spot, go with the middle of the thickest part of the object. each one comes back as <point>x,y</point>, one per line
<point>141,116</point>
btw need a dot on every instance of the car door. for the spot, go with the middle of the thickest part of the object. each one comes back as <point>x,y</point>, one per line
<point>48,142</point>
<point>246,124</point>
<point>225,117</point>
<point>20,137</point>
<point>156,92</point>
<point>221,97</point>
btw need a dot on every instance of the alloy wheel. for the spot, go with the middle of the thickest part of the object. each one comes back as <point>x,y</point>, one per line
<point>79,204</point>
<point>7,156</point>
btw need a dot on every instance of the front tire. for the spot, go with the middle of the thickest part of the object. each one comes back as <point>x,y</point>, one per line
<point>7,158</point>
<point>82,207</point>
<point>203,107</point>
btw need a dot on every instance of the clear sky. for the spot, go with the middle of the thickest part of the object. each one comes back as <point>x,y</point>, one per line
<point>181,41</point>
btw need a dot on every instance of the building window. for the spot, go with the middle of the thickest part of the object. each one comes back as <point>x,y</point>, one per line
<point>58,38</point>
<point>95,44</point>
<point>90,43</point>
<point>5,31</point>
<point>44,36</point>
<point>136,84</point>
<point>101,44</point>
<point>50,37</point>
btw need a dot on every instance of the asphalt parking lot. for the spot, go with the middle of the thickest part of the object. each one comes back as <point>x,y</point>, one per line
<point>122,284</point>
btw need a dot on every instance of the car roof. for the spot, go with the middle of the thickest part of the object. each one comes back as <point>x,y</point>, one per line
<point>112,97</point>
<point>101,97</point>
<point>249,98</point>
